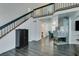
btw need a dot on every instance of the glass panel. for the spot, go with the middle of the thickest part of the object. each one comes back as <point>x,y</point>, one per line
<point>11,26</point>
<point>50,9</point>
<point>5,29</point>
<point>62,5</point>
<point>28,16</point>
<point>18,22</point>
<point>66,4</point>
<point>45,12</point>
<point>38,12</point>
<point>2,32</point>
<point>57,6</point>
<point>14,25</point>
<point>22,19</point>
<point>72,4</point>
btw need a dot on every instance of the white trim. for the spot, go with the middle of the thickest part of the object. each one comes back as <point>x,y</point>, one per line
<point>69,30</point>
<point>66,11</point>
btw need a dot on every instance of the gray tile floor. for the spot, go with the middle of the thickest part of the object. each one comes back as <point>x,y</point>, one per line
<point>44,47</point>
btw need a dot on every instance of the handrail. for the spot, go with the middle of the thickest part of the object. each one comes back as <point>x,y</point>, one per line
<point>26,14</point>
<point>15,20</point>
<point>6,28</point>
<point>1,27</point>
<point>44,6</point>
<point>42,11</point>
<point>48,9</point>
<point>23,15</point>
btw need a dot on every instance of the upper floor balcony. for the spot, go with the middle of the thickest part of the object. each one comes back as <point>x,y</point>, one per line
<point>52,8</point>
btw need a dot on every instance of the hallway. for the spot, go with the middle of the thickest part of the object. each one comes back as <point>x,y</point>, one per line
<point>44,47</point>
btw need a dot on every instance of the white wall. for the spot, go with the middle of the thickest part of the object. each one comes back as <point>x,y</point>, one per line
<point>42,29</point>
<point>73,16</point>
<point>74,34</point>
<point>48,28</point>
<point>46,25</point>
<point>34,28</point>
<point>54,23</point>
<point>8,41</point>
<point>9,12</point>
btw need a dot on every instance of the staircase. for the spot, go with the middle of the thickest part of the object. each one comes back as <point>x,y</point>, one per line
<point>5,29</point>
<point>46,10</point>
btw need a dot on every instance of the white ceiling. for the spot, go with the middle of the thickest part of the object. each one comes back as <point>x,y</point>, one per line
<point>46,19</point>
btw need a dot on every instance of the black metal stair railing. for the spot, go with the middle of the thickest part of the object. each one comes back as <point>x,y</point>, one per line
<point>5,29</point>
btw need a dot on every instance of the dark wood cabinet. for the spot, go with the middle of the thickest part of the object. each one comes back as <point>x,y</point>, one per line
<point>21,38</point>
